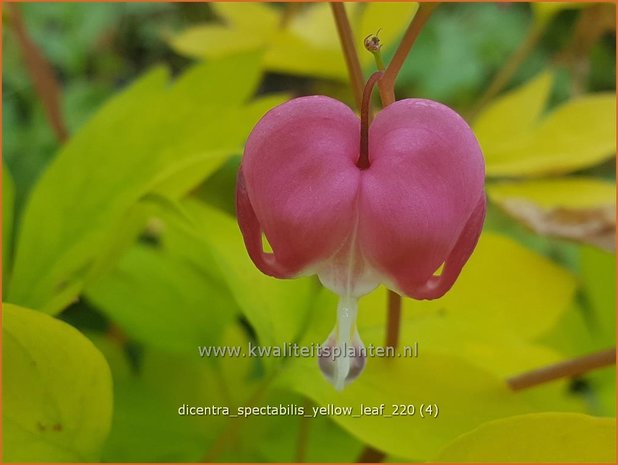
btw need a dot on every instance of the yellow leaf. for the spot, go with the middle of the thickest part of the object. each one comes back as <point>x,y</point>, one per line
<point>214,41</point>
<point>509,118</point>
<point>566,192</point>
<point>57,390</point>
<point>537,438</point>
<point>250,18</point>
<point>580,133</point>
<point>507,288</point>
<point>291,54</point>
<point>504,289</point>
<point>315,25</point>
<point>454,385</point>
<point>308,45</point>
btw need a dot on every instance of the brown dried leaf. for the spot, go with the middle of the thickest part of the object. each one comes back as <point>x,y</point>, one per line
<point>596,226</point>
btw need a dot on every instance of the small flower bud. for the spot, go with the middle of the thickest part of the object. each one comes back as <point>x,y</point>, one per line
<point>372,43</point>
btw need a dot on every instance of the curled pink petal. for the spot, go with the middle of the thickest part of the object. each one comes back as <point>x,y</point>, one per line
<point>437,286</point>
<point>252,234</point>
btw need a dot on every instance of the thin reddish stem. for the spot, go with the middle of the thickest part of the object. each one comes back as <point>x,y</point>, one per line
<point>363,159</point>
<point>394,319</point>
<point>41,73</point>
<point>349,50</point>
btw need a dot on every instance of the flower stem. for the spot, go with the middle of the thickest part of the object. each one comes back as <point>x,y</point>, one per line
<point>566,369</point>
<point>349,51</point>
<point>373,46</point>
<point>387,83</point>
<point>394,319</point>
<point>370,454</point>
<point>363,159</point>
<point>303,434</point>
<point>41,73</point>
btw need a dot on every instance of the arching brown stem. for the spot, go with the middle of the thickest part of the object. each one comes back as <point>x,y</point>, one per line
<point>349,50</point>
<point>41,73</point>
<point>566,369</point>
<point>363,159</point>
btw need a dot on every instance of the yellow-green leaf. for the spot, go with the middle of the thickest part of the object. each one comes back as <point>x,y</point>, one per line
<point>277,309</point>
<point>157,129</point>
<point>57,391</point>
<point>147,425</point>
<point>433,379</point>
<point>8,199</point>
<point>599,279</point>
<point>163,301</point>
<point>537,438</point>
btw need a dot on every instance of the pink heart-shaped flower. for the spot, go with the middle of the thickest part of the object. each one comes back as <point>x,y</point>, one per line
<point>418,206</point>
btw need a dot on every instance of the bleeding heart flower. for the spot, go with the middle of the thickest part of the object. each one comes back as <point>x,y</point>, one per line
<point>392,209</point>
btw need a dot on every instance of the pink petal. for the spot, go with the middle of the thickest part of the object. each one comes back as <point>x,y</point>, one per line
<point>419,194</point>
<point>298,184</point>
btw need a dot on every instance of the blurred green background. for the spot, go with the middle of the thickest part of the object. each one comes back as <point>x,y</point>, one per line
<point>118,222</point>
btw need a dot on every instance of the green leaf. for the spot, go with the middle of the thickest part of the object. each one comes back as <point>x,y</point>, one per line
<point>603,391</point>
<point>8,204</point>
<point>57,391</point>
<point>277,309</point>
<point>432,378</point>
<point>598,271</point>
<point>163,301</point>
<point>537,438</point>
<point>572,335</point>
<point>459,50</point>
<point>158,130</point>
<point>276,438</point>
<point>147,425</point>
